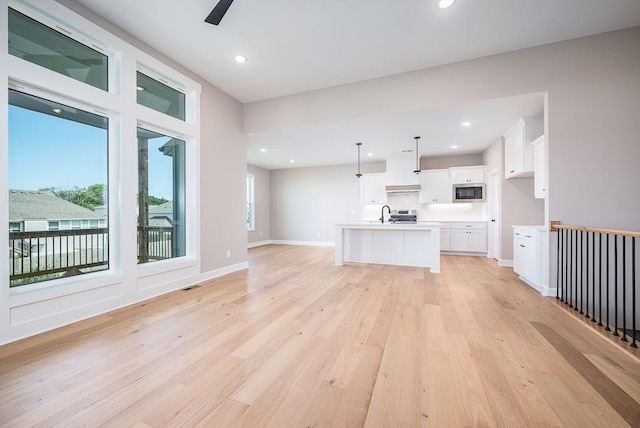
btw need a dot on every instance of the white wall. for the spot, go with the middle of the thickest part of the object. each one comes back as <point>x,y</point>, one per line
<point>443,162</point>
<point>262,230</point>
<point>307,202</point>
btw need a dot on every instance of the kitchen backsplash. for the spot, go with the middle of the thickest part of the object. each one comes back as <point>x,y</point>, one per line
<point>459,211</point>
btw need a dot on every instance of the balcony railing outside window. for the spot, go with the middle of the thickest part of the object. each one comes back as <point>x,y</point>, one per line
<point>46,255</point>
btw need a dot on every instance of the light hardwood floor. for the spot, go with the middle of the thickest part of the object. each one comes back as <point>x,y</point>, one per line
<point>297,342</point>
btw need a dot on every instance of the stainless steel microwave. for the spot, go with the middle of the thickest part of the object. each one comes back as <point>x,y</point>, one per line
<point>469,193</point>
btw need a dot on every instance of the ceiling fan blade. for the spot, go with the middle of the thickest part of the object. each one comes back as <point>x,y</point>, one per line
<point>218,12</point>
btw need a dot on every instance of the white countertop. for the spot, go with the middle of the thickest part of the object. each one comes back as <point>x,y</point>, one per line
<point>538,228</point>
<point>389,226</point>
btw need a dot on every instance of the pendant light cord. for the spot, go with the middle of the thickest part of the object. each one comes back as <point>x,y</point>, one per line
<point>358,174</point>
<point>417,170</point>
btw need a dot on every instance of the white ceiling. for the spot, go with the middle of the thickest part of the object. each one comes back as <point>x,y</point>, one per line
<point>300,45</point>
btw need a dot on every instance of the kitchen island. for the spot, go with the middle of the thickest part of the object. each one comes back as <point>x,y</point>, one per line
<point>388,243</point>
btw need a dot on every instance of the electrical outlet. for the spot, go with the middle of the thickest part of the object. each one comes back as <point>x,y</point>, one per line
<point>228,253</point>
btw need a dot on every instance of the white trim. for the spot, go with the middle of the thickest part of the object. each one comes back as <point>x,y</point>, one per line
<point>207,276</point>
<point>505,263</point>
<point>259,243</point>
<point>307,243</point>
<point>461,253</point>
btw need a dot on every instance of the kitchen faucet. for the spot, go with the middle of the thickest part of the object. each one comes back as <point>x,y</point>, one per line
<point>382,214</point>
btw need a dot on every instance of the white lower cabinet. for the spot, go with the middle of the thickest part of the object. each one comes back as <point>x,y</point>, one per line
<point>445,237</point>
<point>469,237</point>
<point>529,250</point>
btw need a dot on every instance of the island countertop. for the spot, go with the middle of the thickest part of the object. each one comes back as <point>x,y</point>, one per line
<point>403,244</point>
<point>390,226</point>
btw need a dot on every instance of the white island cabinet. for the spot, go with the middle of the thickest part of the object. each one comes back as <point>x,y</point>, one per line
<point>392,244</point>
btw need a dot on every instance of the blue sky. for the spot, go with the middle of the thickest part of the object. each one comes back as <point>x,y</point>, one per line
<point>46,151</point>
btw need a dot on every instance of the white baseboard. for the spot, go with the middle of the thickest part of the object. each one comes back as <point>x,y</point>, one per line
<point>206,276</point>
<point>505,263</point>
<point>308,243</point>
<point>258,244</point>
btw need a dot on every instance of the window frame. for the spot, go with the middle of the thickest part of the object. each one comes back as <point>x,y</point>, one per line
<point>251,202</point>
<point>124,114</point>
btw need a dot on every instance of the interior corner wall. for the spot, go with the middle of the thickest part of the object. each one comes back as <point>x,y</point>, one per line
<point>517,203</point>
<point>307,202</point>
<point>262,230</point>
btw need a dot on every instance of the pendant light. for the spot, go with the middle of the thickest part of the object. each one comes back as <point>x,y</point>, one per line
<point>417,170</point>
<point>358,174</point>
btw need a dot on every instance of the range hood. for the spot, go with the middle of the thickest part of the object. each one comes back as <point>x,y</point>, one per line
<point>400,188</point>
<point>400,175</point>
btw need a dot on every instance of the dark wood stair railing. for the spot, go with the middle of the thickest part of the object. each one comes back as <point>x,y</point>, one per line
<point>596,275</point>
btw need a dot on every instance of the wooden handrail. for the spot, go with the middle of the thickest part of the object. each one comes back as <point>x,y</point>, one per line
<point>555,225</point>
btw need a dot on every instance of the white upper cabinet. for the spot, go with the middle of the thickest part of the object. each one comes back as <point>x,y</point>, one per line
<point>518,151</point>
<point>372,188</point>
<point>468,175</point>
<point>400,170</point>
<point>435,187</point>
<point>539,178</point>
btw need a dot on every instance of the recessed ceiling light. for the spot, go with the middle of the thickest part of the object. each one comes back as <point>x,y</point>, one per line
<point>240,58</point>
<point>139,88</point>
<point>291,161</point>
<point>57,110</point>
<point>467,123</point>
<point>369,154</point>
<point>443,4</point>
<point>454,147</point>
<point>263,150</point>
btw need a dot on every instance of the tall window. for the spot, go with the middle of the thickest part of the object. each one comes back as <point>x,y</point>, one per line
<point>42,45</point>
<point>161,197</point>
<point>57,174</point>
<point>251,202</point>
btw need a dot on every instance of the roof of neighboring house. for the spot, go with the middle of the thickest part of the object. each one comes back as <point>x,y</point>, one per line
<point>35,205</point>
<point>162,221</point>
<point>167,207</point>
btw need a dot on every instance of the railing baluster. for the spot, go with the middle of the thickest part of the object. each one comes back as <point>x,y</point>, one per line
<point>624,289</point>
<point>586,305</point>
<point>569,302</point>
<point>565,268</point>
<point>558,265</point>
<point>633,290</point>
<point>578,267</point>
<point>615,285</point>
<point>600,281</point>
<point>593,277</point>
<point>607,328</point>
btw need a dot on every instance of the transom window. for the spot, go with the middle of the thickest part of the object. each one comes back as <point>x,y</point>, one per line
<point>42,45</point>
<point>160,97</point>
